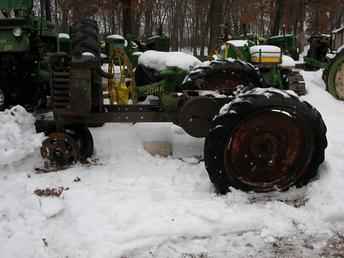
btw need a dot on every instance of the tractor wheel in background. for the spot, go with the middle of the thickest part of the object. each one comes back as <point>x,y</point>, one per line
<point>334,76</point>
<point>227,77</point>
<point>265,140</point>
<point>297,83</point>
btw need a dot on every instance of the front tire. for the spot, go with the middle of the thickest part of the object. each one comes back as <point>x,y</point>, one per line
<point>265,140</point>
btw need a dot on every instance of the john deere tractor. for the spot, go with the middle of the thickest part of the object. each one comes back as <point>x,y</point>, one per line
<point>277,70</point>
<point>25,43</point>
<point>256,139</point>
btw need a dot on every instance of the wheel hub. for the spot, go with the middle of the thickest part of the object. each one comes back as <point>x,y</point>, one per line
<point>60,149</point>
<point>264,151</point>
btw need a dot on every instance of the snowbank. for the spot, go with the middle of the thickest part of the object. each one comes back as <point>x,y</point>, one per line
<point>17,135</point>
<point>287,62</point>
<point>161,60</point>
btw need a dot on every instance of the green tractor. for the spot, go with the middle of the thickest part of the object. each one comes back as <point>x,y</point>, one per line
<point>288,44</point>
<point>326,53</point>
<point>277,69</point>
<point>333,75</point>
<point>256,139</point>
<point>319,47</point>
<point>25,43</point>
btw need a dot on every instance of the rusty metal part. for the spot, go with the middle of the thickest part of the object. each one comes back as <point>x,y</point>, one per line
<point>269,151</point>
<point>60,149</point>
<point>60,90</point>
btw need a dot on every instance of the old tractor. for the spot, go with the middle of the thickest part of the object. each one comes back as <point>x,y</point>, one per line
<point>326,52</point>
<point>256,139</point>
<point>287,43</point>
<point>277,69</point>
<point>317,55</point>
<point>333,75</point>
<point>25,43</point>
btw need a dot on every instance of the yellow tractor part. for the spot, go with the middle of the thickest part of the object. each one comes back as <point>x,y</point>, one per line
<point>122,86</point>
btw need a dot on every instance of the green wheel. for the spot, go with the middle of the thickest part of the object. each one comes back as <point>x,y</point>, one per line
<point>335,78</point>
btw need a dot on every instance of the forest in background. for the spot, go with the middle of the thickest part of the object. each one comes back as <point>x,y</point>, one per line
<point>195,24</point>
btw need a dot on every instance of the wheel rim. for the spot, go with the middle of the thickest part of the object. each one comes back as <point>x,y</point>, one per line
<point>60,149</point>
<point>339,81</point>
<point>269,151</point>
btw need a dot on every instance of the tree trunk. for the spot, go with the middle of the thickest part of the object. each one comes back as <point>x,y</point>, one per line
<point>278,16</point>
<point>215,20</point>
<point>127,6</point>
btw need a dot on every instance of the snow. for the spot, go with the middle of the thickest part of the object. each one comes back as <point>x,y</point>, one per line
<point>279,36</point>
<point>63,36</point>
<point>88,54</point>
<point>115,36</point>
<point>238,43</point>
<point>118,37</point>
<point>131,204</point>
<point>137,53</point>
<point>17,135</point>
<point>338,30</point>
<point>287,62</point>
<point>161,60</point>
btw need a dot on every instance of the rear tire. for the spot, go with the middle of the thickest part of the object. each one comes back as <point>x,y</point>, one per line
<point>83,137</point>
<point>265,140</point>
<point>85,39</point>
<point>225,76</point>
<point>334,76</point>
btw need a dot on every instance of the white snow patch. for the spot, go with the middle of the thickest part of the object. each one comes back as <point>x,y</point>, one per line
<point>161,60</point>
<point>238,43</point>
<point>115,36</point>
<point>63,36</point>
<point>18,137</point>
<point>137,53</point>
<point>88,54</point>
<point>287,62</point>
<point>51,206</point>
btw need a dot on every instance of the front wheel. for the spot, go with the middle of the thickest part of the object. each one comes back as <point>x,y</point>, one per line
<point>265,140</point>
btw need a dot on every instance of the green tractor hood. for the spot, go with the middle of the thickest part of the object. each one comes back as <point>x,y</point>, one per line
<point>16,4</point>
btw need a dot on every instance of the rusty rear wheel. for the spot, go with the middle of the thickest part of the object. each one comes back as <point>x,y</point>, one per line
<point>268,151</point>
<point>265,140</point>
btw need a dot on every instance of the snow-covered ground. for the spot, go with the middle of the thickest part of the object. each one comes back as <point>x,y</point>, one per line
<point>131,204</point>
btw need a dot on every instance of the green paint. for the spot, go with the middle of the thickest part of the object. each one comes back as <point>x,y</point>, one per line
<point>333,69</point>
